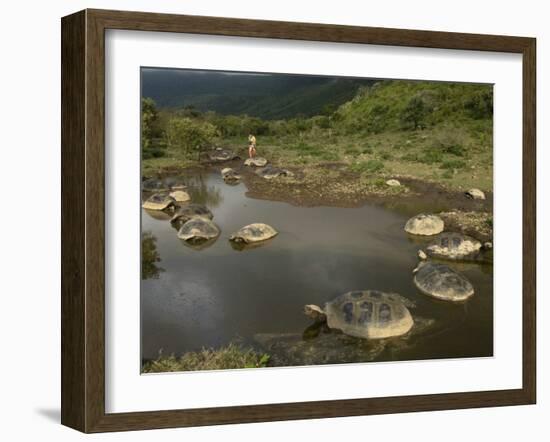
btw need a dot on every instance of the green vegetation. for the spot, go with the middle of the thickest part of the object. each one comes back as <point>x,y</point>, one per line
<point>428,130</point>
<point>230,357</point>
<point>149,257</point>
<point>152,142</point>
<point>189,135</point>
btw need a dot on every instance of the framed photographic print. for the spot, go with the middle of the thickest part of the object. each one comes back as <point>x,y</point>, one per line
<point>269,220</point>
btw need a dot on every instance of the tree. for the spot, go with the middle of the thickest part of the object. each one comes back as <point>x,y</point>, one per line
<point>189,135</point>
<point>414,113</point>
<point>150,128</point>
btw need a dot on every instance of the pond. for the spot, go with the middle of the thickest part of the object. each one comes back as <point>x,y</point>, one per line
<point>216,295</point>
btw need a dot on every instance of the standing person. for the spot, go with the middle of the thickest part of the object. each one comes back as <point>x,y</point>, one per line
<point>251,146</point>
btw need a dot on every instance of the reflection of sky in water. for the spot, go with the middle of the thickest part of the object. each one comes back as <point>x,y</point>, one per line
<point>212,296</point>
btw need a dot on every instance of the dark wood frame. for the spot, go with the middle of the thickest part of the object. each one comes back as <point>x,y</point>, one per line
<point>83,217</point>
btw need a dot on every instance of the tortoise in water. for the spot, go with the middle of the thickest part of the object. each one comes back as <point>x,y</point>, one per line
<point>180,196</point>
<point>442,282</point>
<point>158,201</point>
<point>269,172</point>
<point>154,185</point>
<point>174,183</point>
<point>424,224</point>
<point>253,233</point>
<point>454,246</point>
<point>219,155</point>
<point>369,314</point>
<point>257,161</point>
<point>189,211</point>
<point>198,230</point>
<point>229,175</point>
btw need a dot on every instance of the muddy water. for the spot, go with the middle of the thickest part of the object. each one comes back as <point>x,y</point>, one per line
<point>216,295</point>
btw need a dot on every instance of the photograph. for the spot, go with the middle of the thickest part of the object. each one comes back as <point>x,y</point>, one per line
<point>305,220</point>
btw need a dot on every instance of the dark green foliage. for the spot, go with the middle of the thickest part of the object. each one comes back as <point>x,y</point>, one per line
<point>189,134</point>
<point>377,119</point>
<point>480,104</point>
<point>413,116</point>
<point>152,144</point>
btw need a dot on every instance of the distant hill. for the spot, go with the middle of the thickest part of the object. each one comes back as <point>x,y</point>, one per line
<point>386,104</point>
<point>268,96</point>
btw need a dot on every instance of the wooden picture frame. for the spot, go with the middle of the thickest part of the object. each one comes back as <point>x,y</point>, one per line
<point>83,220</point>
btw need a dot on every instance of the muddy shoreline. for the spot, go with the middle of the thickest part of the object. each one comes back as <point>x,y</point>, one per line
<point>333,185</point>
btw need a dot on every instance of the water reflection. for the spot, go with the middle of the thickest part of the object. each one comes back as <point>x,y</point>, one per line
<point>149,257</point>
<point>204,193</point>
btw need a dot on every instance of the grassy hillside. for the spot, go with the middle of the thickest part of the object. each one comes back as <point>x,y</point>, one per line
<point>393,105</point>
<point>429,130</point>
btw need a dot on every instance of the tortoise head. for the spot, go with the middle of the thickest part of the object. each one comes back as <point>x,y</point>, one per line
<point>315,312</point>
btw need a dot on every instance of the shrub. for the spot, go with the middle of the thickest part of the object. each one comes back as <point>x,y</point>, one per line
<point>151,130</point>
<point>450,140</point>
<point>480,105</point>
<point>411,156</point>
<point>189,135</point>
<point>431,156</point>
<point>414,114</point>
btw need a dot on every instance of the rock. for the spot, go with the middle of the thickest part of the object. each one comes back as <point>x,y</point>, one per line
<point>180,196</point>
<point>422,255</point>
<point>475,194</point>
<point>425,225</point>
<point>488,245</point>
<point>393,183</point>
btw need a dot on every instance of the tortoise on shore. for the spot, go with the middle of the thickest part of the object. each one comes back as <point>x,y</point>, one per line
<point>189,211</point>
<point>198,230</point>
<point>256,161</point>
<point>269,172</point>
<point>219,155</point>
<point>475,194</point>
<point>442,282</point>
<point>454,246</point>
<point>424,224</point>
<point>253,233</point>
<point>158,201</point>
<point>368,314</point>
